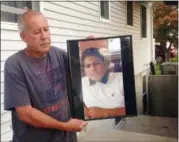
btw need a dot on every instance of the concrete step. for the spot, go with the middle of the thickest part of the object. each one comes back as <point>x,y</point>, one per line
<point>132,129</point>
<point>111,135</point>
<point>162,126</point>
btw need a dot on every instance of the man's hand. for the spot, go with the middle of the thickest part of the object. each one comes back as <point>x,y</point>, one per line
<point>96,112</point>
<point>38,119</point>
<point>74,125</point>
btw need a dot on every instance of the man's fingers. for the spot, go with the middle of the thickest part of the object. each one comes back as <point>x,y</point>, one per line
<point>83,125</point>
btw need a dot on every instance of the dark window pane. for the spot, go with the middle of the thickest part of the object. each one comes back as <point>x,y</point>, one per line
<point>8,3</point>
<point>143,21</point>
<point>130,13</point>
<point>104,5</point>
<point>9,17</point>
<point>18,4</point>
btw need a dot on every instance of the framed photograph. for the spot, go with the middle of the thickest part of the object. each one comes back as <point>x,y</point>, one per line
<point>101,78</point>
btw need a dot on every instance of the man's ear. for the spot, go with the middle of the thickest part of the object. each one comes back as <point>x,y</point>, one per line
<point>22,35</point>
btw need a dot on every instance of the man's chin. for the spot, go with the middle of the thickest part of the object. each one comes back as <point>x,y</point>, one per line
<point>45,45</point>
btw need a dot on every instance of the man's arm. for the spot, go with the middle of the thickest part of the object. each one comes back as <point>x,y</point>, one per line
<point>96,112</point>
<point>39,119</point>
<point>115,111</point>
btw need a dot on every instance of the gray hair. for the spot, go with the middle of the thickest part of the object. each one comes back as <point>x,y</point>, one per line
<point>21,20</point>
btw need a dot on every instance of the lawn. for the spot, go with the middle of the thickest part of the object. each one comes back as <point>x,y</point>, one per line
<point>174,59</point>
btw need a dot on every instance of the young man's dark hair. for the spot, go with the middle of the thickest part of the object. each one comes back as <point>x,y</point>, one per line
<point>92,51</point>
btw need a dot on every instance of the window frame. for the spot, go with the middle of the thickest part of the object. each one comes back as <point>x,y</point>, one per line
<point>132,14</point>
<point>37,5</point>
<point>142,20</point>
<point>109,9</point>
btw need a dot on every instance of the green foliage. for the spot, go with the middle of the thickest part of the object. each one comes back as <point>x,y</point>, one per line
<point>157,69</point>
<point>165,23</point>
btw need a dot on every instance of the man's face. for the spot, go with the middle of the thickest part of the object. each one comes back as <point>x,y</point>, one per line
<point>36,34</point>
<point>94,68</point>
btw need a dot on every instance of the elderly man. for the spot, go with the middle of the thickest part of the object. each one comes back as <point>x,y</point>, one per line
<point>102,91</point>
<point>35,87</point>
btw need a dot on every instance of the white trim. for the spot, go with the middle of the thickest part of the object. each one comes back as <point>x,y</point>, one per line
<point>41,6</point>
<point>9,26</point>
<point>109,8</point>
<point>104,20</point>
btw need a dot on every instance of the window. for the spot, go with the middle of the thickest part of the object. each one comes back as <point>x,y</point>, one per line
<point>104,8</point>
<point>10,10</point>
<point>130,13</point>
<point>143,21</point>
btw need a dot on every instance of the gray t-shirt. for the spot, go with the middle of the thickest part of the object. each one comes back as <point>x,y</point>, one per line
<point>40,83</point>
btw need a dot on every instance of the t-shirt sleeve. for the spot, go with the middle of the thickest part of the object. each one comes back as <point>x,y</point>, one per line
<point>15,88</point>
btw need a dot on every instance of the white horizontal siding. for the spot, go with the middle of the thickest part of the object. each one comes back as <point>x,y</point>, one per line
<point>117,14</point>
<point>12,45</point>
<point>89,5</point>
<point>7,137</point>
<point>2,98</point>
<point>74,26</point>
<point>6,127</point>
<point>2,87</point>
<point>6,117</point>
<point>10,35</point>
<point>2,76</point>
<point>80,17</point>
<point>2,109</point>
<point>63,9</point>
<point>96,3</point>
<point>2,66</point>
<point>5,54</point>
<point>80,7</point>
<point>52,14</point>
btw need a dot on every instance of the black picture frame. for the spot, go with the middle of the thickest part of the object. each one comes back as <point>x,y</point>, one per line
<point>75,92</point>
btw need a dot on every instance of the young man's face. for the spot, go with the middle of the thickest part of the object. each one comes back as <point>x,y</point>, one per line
<point>94,68</point>
<point>37,34</point>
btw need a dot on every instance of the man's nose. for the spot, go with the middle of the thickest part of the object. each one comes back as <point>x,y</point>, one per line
<point>44,35</point>
<point>93,67</point>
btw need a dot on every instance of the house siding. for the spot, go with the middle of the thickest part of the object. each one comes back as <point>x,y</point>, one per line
<point>77,20</point>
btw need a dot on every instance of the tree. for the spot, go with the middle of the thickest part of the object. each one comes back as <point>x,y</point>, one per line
<point>165,23</point>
